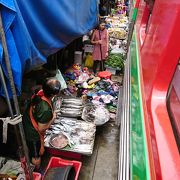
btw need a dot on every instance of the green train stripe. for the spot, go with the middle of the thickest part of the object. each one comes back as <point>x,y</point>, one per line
<point>134,16</point>
<point>138,145</point>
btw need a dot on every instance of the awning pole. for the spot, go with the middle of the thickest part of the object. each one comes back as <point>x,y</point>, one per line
<point>23,150</point>
<point>6,91</point>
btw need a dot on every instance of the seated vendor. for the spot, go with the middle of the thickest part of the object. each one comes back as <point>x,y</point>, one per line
<point>38,117</point>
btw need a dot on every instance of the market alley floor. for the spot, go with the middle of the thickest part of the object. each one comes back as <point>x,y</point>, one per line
<point>103,163</point>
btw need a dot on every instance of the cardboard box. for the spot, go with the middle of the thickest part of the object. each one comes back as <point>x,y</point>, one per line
<point>88,48</point>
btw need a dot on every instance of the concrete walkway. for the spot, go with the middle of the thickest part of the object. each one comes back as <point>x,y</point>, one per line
<point>103,163</point>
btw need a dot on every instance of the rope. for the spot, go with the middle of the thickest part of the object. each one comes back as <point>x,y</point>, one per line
<point>7,121</point>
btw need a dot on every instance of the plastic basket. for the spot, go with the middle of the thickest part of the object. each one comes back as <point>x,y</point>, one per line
<point>36,176</point>
<point>58,162</point>
<point>65,154</point>
<point>105,74</point>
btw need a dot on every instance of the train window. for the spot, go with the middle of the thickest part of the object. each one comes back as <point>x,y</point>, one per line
<point>146,19</point>
<point>173,104</point>
<point>148,23</point>
<point>150,4</point>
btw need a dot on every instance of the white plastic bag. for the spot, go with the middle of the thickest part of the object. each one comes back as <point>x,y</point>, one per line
<point>61,79</point>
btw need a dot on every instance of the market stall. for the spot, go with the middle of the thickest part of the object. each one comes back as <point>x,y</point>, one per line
<point>118,31</point>
<point>89,100</point>
<point>75,126</point>
<point>70,134</point>
<point>20,53</point>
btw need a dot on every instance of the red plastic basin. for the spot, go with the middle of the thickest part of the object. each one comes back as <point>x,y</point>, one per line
<point>105,74</point>
<point>36,176</point>
<point>58,162</point>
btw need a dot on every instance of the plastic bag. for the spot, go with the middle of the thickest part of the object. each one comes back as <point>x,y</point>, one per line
<point>89,61</point>
<point>61,79</point>
<point>97,114</point>
<point>101,115</point>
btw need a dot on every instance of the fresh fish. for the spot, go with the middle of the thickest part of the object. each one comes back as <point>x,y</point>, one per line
<point>80,134</point>
<point>71,112</point>
<point>71,142</point>
<point>70,123</point>
<point>54,128</point>
<point>57,121</point>
<point>73,106</point>
<point>48,132</point>
<point>56,131</point>
<point>58,126</point>
<point>72,101</point>
<point>67,127</point>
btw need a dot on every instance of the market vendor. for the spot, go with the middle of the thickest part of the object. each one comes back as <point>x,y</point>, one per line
<point>38,117</point>
<point>100,41</point>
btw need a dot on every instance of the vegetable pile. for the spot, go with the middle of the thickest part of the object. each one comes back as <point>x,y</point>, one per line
<point>118,34</point>
<point>115,61</point>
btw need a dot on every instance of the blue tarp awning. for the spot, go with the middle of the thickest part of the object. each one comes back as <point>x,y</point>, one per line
<point>35,29</point>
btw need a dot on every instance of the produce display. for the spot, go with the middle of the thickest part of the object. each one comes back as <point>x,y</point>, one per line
<point>118,31</point>
<point>115,61</point>
<point>118,34</point>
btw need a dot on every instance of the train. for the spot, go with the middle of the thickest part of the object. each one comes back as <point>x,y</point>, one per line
<point>150,123</point>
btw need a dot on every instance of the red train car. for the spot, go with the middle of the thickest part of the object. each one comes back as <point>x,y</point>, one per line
<point>150,128</point>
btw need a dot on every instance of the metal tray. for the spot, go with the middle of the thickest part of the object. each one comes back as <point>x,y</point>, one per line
<point>65,142</point>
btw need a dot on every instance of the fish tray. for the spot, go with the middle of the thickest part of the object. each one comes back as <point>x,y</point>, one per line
<point>81,135</point>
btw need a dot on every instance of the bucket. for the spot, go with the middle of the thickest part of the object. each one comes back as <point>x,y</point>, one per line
<point>36,176</point>
<point>105,74</point>
<point>56,162</point>
<point>78,57</point>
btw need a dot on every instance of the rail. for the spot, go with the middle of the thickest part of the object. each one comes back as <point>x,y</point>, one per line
<point>124,153</point>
